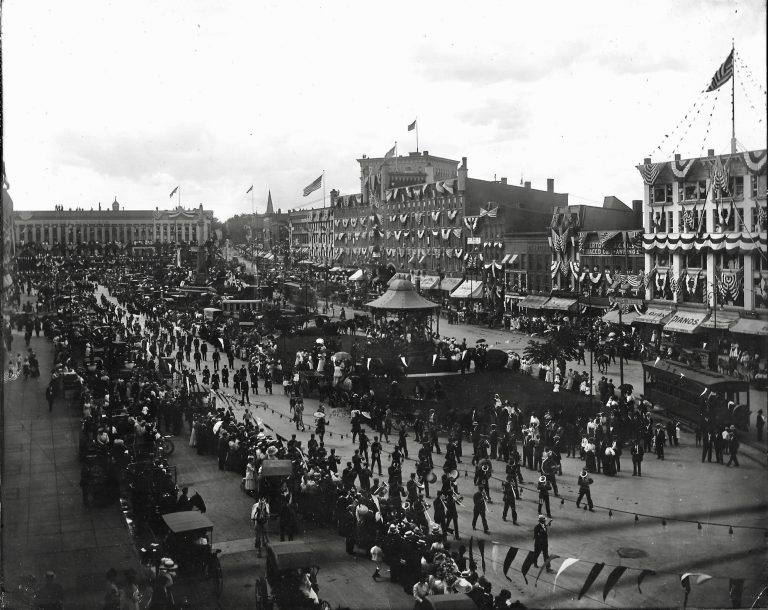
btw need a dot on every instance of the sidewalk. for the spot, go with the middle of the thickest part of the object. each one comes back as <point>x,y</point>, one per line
<point>45,525</point>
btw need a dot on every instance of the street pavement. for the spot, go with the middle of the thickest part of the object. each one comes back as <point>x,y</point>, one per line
<point>45,525</point>
<point>681,487</point>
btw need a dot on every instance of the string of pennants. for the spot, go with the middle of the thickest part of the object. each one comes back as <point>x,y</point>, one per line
<point>687,579</point>
<point>761,92</point>
<point>420,191</point>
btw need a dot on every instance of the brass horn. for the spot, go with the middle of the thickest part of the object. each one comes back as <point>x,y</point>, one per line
<point>406,506</point>
<point>453,475</point>
<point>432,477</point>
<point>383,490</point>
<point>485,468</point>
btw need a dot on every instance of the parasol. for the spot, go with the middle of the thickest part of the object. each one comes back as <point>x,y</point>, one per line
<point>342,357</point>
<point>480,341</point>
<point>319,415</point>
<point>319,340</point>
<point>217,426</point>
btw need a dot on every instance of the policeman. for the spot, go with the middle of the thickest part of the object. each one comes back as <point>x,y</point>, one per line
<point>479,510</point>
<point>584,482</point>
<point>509,502</point>
<point>637,458</point>
<point>376,453</point>
<point>543,486</point>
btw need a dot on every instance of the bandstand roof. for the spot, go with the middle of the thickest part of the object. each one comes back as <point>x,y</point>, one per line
<point>401,295</point>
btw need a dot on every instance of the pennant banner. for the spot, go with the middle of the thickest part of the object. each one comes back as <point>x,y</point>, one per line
<point>591,577</point>
<point>565,565</point>
<point>613,578</point>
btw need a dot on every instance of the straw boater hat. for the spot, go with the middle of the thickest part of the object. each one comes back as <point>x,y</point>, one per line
<point>271,451</point>
<point>542,518</point>
<point>462,585</point>
<point>542,479</point>
<point>167,564</point>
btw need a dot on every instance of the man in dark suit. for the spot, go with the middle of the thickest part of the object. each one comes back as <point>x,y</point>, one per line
<point>637,458</point>
<point>660,436</point>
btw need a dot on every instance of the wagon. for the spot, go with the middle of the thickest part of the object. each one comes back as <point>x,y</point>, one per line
<point>290,578</point>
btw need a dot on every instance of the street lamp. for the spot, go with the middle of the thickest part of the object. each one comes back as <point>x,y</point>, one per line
<point>588,294</point>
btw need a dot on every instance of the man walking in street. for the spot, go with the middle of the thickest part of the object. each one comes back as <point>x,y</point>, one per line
<point>637,458</point>
<point>733,446</point>
<point>584,482</point>
<point>479,510</point>
<point>541,542</point>
<point>509,502</point>
<point>244,391</point>
<point>544,487</point>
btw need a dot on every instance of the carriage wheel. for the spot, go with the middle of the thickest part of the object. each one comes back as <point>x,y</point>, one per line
<point>215,575</point>
<point>167,447</point>
<point>324,605</point>
<point>261,594</point>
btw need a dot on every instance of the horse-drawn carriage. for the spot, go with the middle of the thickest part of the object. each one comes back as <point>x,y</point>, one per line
<point>185,566</point>
<point>291,578</point>
<point>152,490</point>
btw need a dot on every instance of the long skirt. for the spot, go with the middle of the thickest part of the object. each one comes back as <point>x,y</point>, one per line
<point>591,463</point>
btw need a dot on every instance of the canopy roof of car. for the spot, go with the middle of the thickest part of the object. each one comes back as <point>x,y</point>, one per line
<point>186,521</point>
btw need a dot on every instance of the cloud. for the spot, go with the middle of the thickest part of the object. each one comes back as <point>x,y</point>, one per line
<point>507,118</point>
<point>515,64</point>
<point>640,61</point>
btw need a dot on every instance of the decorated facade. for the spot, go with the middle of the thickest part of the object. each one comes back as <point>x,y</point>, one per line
<point>597,251</point>
<point>312,234</point>
<point>113,224</point>
<point>705,241</point>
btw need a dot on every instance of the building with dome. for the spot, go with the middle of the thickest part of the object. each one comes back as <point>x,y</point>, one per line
<point>112,224</point>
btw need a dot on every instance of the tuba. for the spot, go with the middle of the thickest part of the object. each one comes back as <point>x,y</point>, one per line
<point>432,477</point>
<point>406,506</point>
<point>453,475</point>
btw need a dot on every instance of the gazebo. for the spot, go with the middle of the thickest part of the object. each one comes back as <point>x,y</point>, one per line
<point>402,299</point>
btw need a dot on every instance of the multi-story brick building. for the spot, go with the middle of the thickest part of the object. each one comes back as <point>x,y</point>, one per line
<point>312,234</point>
<point>705,245</point>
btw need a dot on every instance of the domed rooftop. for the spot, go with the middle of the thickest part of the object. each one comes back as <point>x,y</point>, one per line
<point>402,295</point>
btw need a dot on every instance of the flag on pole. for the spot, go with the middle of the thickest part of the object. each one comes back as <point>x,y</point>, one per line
<point>390,153</point>
<point>412,126</point>
<point>173,192</point>
<point>316,184</point>
<point>249,190</point>
<point>723,74</point>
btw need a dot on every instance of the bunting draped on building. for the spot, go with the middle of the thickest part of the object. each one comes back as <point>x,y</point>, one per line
<point>681,167</point>
<point>650,171</point>
<point>756,160</point>
<point>403,218</point>
<point>452,215</point>
<point>575,270</point>
<point>554,267</point>
<point>490,212</point>
<point>730,284</point>
<point>743,242</point>
<point>471,222</point>
<point>457,233</point>
<point>419,216</point>
<point>459,252</point>
<point>436,215</point>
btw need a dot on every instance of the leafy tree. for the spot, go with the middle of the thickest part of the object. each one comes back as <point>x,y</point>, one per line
<point>559,345</point>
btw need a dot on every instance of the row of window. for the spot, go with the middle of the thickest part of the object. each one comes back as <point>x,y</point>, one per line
<point>127,233</point>
<point>699,260</point>
<point>697,191</point>
<point>695,221</point>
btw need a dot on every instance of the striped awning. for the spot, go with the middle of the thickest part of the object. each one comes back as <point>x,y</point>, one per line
<point>751,327</point>
<point>429,282</point>
<point>509,259</point>
<point>533,302</point>
<point>448,284</point>
<point>469,289</point>
<point>655,315</point>
<point>612,317</point>
<point>559,304</point>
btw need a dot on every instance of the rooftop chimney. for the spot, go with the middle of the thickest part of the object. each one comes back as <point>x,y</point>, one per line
<point>504,180</point>
<point>527,184</point>
<point>550,185</point>
<point>647,160</point>
<point>426,153</point>
<point>711,152</point>
<point>677,156</point>
<point>461,175</point>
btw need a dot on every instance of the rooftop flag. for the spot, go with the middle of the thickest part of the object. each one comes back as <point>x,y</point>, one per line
<point>391,152</point>
<point>249,190</point>
<point>316,184</point>
<point>723,74</point>
<point>173,192</point>
<point>412,126</point>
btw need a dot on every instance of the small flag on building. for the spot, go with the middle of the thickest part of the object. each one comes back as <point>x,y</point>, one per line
<point>249,190</point>
<point>316,184</point>
<point>391,152</point>
<point>723,74</point>
<point>173,192</point>
<point>412,126</point>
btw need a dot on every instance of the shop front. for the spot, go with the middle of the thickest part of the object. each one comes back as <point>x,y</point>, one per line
<point>469,298</point>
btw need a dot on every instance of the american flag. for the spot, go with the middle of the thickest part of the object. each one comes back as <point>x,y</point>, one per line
<point>316,184</point>
<point>723,74</point>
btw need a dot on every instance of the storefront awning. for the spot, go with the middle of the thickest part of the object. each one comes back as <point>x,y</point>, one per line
<point>723,319</point>
<point>612,317</point>
<point>448,284</point>
<point>470,289</point>
<point>509,259</point>
<point>559,303</point>
<point>334,270</point>
<point>655,315</point>
<point>685,321</point>
<point>429,282</point>
<point>399,276</point>
<point>750,327</point>
<point>513,297</point>
<point>357,276</point>
<point>533,302</point>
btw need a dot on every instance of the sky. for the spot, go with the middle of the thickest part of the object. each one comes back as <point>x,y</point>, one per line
<point>130,99</point>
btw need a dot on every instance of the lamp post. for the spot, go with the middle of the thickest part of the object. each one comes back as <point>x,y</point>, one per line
<point>591,349</point>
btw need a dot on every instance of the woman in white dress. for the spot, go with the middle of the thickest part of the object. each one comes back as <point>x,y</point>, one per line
<point>250,475</point>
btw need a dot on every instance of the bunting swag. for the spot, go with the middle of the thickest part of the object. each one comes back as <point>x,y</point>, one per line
<point>613,578</point>
<point>457,233</point>
<point>591,577</point>
<point>681,167</point>
<point>452,215</point>
<point>565,565</point>
<point>436,215</point>
<point>730,285</point>
<point>526,565</point>
<point>650,171</point>
<point>575,269</point>
<point>471,222</point>
<point>755,160</point>
<point>554,267</point>
<point>685,581</point>
<point>544,565</point>
<point>641,577</point>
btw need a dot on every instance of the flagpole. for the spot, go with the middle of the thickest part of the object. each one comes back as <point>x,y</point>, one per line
<point>179,192</point>
<point>323,188</point>
<point>417,134</point>
<point>396,155</point>
<point>733,98</point>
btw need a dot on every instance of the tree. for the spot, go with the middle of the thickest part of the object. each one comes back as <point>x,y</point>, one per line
<point>559,345</point>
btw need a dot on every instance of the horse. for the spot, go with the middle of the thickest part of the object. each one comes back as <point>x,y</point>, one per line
<point>198,502</point>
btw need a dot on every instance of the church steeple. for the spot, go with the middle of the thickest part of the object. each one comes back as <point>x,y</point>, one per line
<point>270,210</point>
